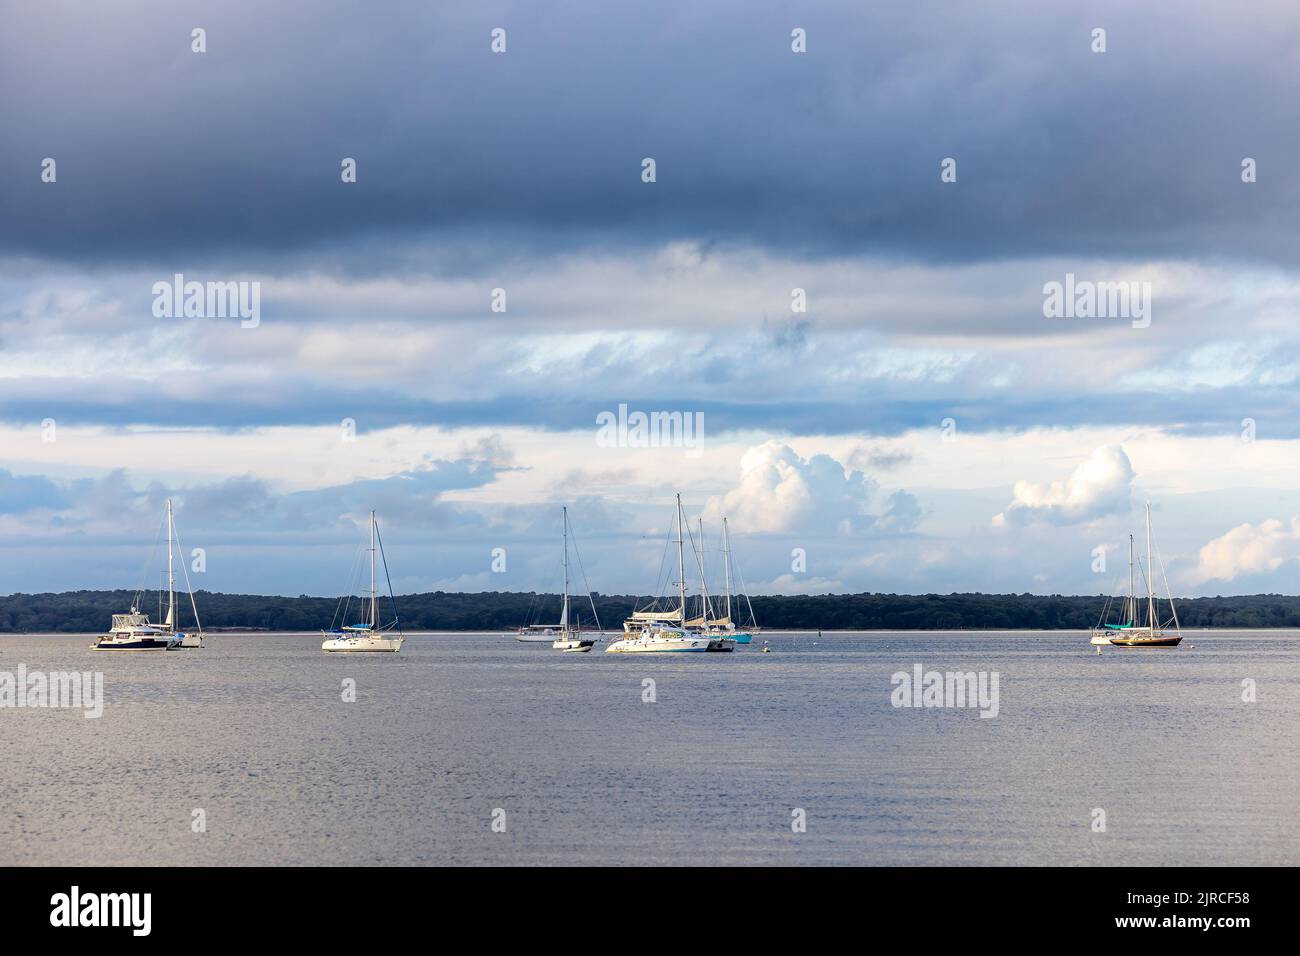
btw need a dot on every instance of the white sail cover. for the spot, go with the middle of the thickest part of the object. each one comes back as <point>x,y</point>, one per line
<point>701,622</point>
<point>656,615</point>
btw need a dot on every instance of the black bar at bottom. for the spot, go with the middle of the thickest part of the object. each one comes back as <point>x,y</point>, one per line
<point>330,906</point>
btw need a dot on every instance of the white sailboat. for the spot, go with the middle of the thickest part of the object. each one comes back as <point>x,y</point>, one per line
<point>570,639</point>
<point>722,629</point>
<point>567,635</point>
<point>1132,631</point>
<point>707,624</point>
<point>134,632</point>
<point>652,632</point>
<point>371,637</point>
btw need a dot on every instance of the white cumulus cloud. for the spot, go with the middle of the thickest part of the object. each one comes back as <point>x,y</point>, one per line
<point>1099,486</point>
<point>1249,549</point>
<point>781,491</point>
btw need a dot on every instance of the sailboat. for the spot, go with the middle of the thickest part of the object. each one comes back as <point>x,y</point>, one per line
<point>651,632</point>
<point>706,623</point>
<point>566,636</point>
<point>722,630</point>
<point>134,632</point>
<point>1131,631</point>
<point>372,636</point>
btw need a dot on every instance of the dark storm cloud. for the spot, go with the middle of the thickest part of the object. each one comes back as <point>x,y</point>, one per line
<point>164,154</point>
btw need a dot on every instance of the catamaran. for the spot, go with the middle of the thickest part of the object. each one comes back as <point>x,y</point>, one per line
<point>565,636</point>
<point>650,632</point>
<point>134,632</point>
<point>373,636</point>
<point>1131,631</point>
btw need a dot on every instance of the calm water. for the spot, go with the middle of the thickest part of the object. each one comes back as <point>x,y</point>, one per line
<point>253,730</point>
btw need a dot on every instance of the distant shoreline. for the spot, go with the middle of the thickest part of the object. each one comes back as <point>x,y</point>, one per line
<point>825,632</point>
<point>90,612</point>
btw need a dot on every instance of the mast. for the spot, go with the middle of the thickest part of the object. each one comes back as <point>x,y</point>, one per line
<point>171,570</point>
<point>1132,611</point>
<point>705,610</point>
<point>564,612</point>
<point>726,564</point>
<point>681,561</point>
<point>1151,592</point>
<point>374,604</point>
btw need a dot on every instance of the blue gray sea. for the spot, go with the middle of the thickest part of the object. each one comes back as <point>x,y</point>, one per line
<point>475,749</point>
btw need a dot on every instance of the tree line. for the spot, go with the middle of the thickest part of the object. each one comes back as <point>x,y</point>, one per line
<point>91,611</point>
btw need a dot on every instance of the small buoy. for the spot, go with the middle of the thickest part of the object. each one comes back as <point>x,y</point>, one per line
<point>1099,651</point>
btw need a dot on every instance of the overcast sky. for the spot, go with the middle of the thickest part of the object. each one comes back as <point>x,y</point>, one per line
<point>922,426</point>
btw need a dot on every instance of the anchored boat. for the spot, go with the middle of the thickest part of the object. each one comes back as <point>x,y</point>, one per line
<point>372,637</point>
<point>721,629</point>
<point>1140,624</point>
<point>663,632</point>
<point>567,636</point>
<point>134,632</point>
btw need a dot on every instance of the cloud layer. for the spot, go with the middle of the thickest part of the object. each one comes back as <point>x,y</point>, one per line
<point>783,179</point>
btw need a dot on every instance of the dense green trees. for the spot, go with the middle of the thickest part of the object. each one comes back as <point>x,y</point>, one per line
<point>90,611</point>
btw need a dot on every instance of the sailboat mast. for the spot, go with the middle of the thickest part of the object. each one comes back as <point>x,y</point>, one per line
<point>1132,610</point>
<point>681,561</point>
<point>1151,593</point>
<point>726,564</point>
<point>705,611</point>
<point>564,612</point>
<point>374,604</point>
<point>171,570</point>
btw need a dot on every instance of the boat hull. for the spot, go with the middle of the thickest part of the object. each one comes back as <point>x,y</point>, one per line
<point>1146,641</point>
<point>573,647</point>
<point>135,644</point>
<point>675,646</point>
<point>362,645</point>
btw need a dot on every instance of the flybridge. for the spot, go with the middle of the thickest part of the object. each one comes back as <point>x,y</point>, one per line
<point>103,909</point>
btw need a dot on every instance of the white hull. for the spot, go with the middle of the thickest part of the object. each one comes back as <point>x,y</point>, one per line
<point>535,638</point>
<point>362,645</point>
<point>658,645</point>
<point>573,647</point>
<point>191,640</point>
<point>1100,639</point>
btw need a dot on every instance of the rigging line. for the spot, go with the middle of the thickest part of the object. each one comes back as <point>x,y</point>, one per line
<point>1110,599</point>
<point>660,579</point>
<point>583,571</point>
<point>391,599</point>
<point>740,579</point>
<point>144,568</point>
<point>1151,586</point>
<point>699,561</point>
<point>1165,577</point>
<point>350,582</point>
<point>188,587</point>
